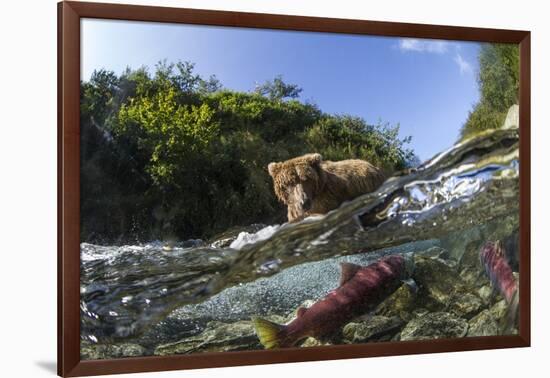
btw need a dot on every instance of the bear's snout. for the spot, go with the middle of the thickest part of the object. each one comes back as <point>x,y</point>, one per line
<point>301,198</point>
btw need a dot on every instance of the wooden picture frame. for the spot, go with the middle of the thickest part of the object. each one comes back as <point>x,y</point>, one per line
<point>69,16</point>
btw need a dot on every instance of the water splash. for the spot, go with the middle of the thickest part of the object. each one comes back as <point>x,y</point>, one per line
<point>245,238</point>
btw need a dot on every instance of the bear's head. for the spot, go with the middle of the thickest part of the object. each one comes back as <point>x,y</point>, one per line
<point>297,181</point>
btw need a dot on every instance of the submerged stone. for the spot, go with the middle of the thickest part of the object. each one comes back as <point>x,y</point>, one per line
<point>437,281</point>
<point>499,309</point>
<point>218,337</point>
<point>465,305</point>
<point>372,328</point>
<point>90,351</point>
<point>486,293</point>
<point>470,267</point>
<point>400,303</point>
<point>435,325</point>
<point>483,324</point>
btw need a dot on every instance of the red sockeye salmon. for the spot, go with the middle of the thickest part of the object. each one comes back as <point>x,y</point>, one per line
<point>493,259</point>
<point>361,290</point>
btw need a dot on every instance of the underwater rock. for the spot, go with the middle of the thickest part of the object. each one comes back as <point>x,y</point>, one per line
<point>465,305</point>
<point>470,257</point>
<point>90,351</point>
<point>437,281</point>
<point>492,321</point>
<point>486,293</point>
<point>400,303</point>
<point>469,266</point>
<point>217,337</point>
<point>420,311</point>
<point>435,325</point>
<point>483,324</point>
<point>372,328</point>
<point>498,310</point>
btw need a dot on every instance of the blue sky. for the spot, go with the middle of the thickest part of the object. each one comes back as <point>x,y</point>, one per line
<point>427,86</point>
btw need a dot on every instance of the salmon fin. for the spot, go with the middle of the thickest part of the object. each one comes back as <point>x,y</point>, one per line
<point>300,312</point>
<point>348,271</point>
<point>268,332</point>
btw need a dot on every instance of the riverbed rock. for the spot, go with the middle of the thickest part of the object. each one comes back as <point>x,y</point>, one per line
<point>493,321</point>
<point>400,303</point>
<point>435,325</point>
<point>470,257</point>
<point>89,351</point>
<point>437,281</point>
<point>499,309</point>
<point>217,337</point>
<point>465,305</point>
<point>419,311</point>
<point>469,266</point>
<point>486,293</point>
<point>483,324</point>
<point>375,328</point>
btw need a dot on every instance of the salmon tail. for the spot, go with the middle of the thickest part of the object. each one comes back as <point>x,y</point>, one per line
<point>268,332</point>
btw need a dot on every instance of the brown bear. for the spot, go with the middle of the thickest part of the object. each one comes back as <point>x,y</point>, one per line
<point>308,185</point>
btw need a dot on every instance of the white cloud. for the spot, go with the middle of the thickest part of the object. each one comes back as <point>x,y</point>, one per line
<point>435,46</point>
<point>464,66</point>
<point>418,45</point>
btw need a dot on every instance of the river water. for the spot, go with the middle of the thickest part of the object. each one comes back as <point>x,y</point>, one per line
<point>157,294</point>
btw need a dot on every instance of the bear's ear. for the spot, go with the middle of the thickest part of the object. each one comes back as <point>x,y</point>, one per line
<point>314,159</point>
<point>272,168</point>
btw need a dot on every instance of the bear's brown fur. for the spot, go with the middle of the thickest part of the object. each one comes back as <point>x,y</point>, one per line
<point>308,185</point>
